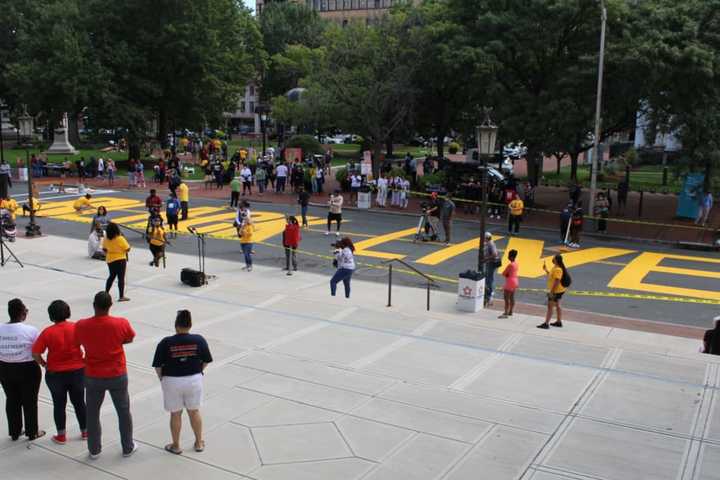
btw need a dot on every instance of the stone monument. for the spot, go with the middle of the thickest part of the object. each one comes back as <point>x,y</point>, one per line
<point>61,144</point>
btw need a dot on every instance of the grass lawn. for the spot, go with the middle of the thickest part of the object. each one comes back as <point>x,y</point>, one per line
<point>645,177</point>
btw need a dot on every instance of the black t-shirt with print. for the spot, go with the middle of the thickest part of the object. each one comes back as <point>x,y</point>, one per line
<point>181,355</point>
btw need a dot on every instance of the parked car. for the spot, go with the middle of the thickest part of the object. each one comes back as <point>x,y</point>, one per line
<point>514,150</point>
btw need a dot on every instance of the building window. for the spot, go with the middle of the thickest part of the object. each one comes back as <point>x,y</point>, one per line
<point>252,107</point>
<point>377,3</point>
<point>362,4</point>
<point>242,107</point>
<point>332,5</point>
<point>251,89</point>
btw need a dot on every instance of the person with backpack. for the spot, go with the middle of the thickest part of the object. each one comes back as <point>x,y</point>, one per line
<point>172,207</point>
<point>558,281</point>
<point>576,225</point>
<point>291,241</point>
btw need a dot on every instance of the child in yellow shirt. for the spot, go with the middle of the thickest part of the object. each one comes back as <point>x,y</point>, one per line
<point>246,243</point>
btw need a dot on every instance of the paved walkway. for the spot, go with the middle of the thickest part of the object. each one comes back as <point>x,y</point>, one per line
<point>305,386</point>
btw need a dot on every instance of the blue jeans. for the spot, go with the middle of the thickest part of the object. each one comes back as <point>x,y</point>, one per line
<point>303,214</point>
<point>344,275</point>
<point>489,279</point>
<point>247,252</point>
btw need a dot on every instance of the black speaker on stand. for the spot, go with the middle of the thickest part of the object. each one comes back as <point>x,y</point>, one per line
<point>190,276</point>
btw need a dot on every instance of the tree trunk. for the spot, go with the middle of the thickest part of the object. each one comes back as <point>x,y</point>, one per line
<point>558,157</point>
<point>389,152</point>
<point>707,184</point>
<point>573,165</point>
<point>376,163</point>
<point>73,130</point>
<point>533,167</point>
<point>440,141</point>
<point>163,128</point>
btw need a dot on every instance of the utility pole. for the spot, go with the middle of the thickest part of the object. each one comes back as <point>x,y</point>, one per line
<point>598,110</point>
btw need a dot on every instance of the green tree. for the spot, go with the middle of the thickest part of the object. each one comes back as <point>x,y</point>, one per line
<point>366,82</point>
<point>448,70</point>
<point>183,62</point>
<point>545,65</point>
<point>681,61</point>
<point>289,32</point>
<point>52,68</point>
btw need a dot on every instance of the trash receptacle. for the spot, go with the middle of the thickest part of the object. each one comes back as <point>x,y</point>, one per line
<point>471,291</point>
<point>363,199</point>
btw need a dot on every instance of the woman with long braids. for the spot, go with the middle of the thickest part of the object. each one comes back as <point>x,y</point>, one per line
<point>558,281</point>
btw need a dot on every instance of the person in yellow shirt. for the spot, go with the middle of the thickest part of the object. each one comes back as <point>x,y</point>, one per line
<point>156,240</point>
<point>34,204</point>
<point>82,203</point>
<point>246,243</point>
<point>116,249</point>
<point>183,193</point>
<point>516,207</point>
<point>10,205</point>
<point>558,281</point>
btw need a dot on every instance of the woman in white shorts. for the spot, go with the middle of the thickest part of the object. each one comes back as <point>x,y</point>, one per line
<point>180,361</point>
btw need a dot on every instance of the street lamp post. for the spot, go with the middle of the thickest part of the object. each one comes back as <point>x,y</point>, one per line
<point>263,127</point>
<point>25,128</point>
<point>598,108</point>
<point>486,134</point>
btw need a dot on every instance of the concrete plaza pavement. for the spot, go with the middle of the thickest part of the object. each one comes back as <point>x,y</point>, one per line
<point>306,386</point>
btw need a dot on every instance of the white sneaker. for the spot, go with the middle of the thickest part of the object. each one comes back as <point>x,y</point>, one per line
<point>93,456</point>
<point>130,453</point>
<point>327,233</point>
<point>337,234</point>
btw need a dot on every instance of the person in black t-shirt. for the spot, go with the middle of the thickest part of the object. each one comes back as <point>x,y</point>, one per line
<point>179,362</point>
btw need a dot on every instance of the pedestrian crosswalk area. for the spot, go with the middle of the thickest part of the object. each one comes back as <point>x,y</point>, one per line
<point>657,275</point>
<point>216,222</point>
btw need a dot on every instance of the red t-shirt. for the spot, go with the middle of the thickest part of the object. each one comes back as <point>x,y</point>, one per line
<point>103,339</point>
<point>63,353</point>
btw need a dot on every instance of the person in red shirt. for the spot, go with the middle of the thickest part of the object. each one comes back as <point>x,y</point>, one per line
<point>291,241</point>
<point>153,202</point>
<point>63,368</point>
<point>102,337</point>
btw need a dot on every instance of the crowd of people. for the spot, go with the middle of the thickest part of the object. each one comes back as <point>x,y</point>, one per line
<point>83,361</point>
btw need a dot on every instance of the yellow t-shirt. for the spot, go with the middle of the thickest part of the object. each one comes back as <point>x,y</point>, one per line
<point>157,236</point>
<point>246,233</point>
<point>81,202</point>
<point>555,274</point>
<point>183,192</point>
<point>34,204</point>
<point>516,207</point>
<point>115,249</point>
<point>10,205</point>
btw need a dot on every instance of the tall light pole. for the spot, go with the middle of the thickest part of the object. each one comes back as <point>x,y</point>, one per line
<point>598,108</point>
<point>25,128</point>
<point>263,127</point>
<point>486,135</point>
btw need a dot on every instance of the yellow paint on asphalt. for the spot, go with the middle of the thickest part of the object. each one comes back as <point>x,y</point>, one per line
<point>363,248</point>
<point>217,223</point>
<point>631,277</point>
<point>531,259</point>
<point>64,209</point>
<point>452,251</point>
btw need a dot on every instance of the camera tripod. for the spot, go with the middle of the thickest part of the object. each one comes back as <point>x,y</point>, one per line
<point>3,259</point>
